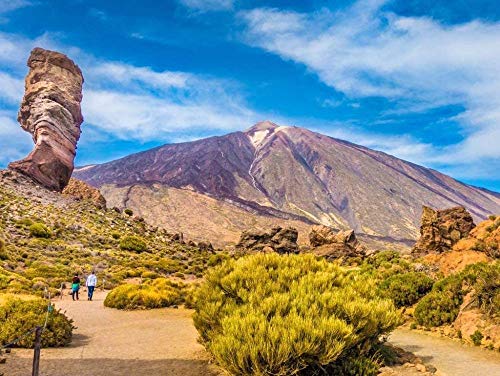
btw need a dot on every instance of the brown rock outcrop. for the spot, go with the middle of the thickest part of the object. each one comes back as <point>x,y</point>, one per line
<point>82,191</point>
<point>441,229</point>
<point>331,245</point>
<point>51,112</point>
<point>281,240</point>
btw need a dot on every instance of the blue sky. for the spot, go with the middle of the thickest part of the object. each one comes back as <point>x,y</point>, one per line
<point>417,79</point>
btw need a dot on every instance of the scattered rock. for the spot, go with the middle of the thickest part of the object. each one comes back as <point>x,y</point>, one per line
<point>333,245</point>
<point>441,229</point>
<point>82,191</point>
<point>51,112</point>
<point>281,240</point>
<point>205,246</point>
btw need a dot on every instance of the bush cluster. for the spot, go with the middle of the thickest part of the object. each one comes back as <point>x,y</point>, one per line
<point>155,293</point>
<point>442,305</point>
<point>406,289</point>
<point>20,314</point>
<point>39,230</point>
<point>133,243</point>
<point>268,314</point>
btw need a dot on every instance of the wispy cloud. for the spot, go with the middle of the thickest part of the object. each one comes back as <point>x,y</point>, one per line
<point>123,101</point>
<point>414,61</point>
<point>208,5</point>
<point>10,5</point>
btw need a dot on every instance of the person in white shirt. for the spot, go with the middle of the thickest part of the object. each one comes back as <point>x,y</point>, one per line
<point>91,284</point>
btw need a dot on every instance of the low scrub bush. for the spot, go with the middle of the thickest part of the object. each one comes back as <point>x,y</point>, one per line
<point>156,293</point>
<point>39,230</point>
<point>3,251</point>
<point>477,338</point>
<point>485,281</point>
<point>406,289</point>
<point>442,305</point>
<point>133,243</point>
<point>20,314</point>
<point>268,314</point>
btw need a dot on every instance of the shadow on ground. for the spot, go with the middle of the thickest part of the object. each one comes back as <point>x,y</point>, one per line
<point>109,367</point>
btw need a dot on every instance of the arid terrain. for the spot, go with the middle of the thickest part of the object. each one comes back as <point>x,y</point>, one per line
<point>281,175</point>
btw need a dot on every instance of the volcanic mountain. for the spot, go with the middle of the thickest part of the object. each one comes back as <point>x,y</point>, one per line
<point>213,188</point>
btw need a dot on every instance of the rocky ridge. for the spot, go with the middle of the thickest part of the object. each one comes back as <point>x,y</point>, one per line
<point>327,243</point>
<point>281,240</point>
<point>441,229</point>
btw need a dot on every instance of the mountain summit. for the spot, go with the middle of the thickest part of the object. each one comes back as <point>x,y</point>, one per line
<point>280,173</point>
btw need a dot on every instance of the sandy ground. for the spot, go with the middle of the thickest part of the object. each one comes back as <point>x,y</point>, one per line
<point>449,357</point>
<point>110,342</point>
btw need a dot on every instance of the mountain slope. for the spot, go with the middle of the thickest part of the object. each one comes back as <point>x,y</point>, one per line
<point>290,173</point>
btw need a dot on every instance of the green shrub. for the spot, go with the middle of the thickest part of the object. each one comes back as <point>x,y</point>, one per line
<point>485,281</point>
<point>442,305</point>
<point>406,289</point>
<point>156,293</point>
<point>3,251</point>
<point>18,315</point>
<point>39,230</point>
<point>133,243</point>
<point>477,337</point>
<point>492,217</point>
<point>149,275</point>
<point>268,314</point>
<point>116,235</point>
<point>129,212</point>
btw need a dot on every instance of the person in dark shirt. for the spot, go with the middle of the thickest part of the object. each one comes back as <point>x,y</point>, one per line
<point>75,287</point>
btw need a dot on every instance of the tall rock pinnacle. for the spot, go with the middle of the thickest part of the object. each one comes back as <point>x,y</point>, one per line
<point>51,112</point>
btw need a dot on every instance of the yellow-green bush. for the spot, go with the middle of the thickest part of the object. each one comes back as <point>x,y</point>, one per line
<point>39,230</point>
<point>133,243</point>
<point>406,289</point>
<point>156,293</point>
<point>3,251</point>
<point>442,305</point>
<point>268,314</point>
<point>13,283</point>
<point>18,315</point>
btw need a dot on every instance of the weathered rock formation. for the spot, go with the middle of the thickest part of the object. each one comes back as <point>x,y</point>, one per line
<point>331,245</point>
<point>441,229</point>
<point>281,240</point>
<point>51,112</point>
<point>82,191</point>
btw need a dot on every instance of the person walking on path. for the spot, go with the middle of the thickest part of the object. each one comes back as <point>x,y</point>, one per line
<point>75,287</point>
<point>91,284</point>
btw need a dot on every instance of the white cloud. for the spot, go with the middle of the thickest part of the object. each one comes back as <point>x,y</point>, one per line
<point>12,88</point>
<point>145,117</point>
<point>363,52</point>
<point>10,5</point>
<point>125,101</point>
<point>208,5</point>
<point>14,143</point>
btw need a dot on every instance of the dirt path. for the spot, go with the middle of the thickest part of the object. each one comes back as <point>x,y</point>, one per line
<point>110,342</point>
<point>450,357</point>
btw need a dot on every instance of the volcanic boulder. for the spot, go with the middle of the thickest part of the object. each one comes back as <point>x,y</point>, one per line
<point>331,245</point>
<point>82,191</point>
<point>281,240</point>
<point>441,229</point>
<point>51,112</point>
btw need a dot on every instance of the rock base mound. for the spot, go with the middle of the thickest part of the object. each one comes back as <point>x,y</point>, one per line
<point>440,230</point>
<point>281,240</point>
<point>332,245</point>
